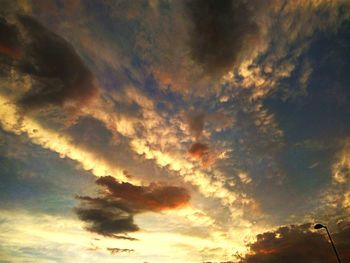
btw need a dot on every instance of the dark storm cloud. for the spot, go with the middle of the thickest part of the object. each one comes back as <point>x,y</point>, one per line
<point>297,244</point>
<point>222,29</point>
<point>58,74</point>
<point>9,39</point>
<point>53,60</point>
<point>106,217</point>
<point>112,213</point>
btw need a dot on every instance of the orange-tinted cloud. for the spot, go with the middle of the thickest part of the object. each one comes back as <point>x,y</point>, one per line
<point>201,152</point>
<point>196,122</point>
<point>297,243</point>
<point>146,198</point>
<point>198,151</point>
<point>112,213</point>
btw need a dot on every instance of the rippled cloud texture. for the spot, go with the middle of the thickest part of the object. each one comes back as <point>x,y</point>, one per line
<point>174,131</point>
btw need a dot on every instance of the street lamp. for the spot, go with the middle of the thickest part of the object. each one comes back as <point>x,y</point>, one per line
<point>319,226</point>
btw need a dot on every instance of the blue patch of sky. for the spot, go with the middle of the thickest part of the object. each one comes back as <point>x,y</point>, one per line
<point>165,99</point>
<point>321,113</point>
<point>120,30</point>
<point>313,123</point>
<point>40,180</point>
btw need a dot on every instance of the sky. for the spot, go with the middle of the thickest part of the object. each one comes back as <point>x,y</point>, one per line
<point>174,130</point>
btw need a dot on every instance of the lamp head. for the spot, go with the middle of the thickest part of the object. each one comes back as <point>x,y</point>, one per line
<point>319,226</point>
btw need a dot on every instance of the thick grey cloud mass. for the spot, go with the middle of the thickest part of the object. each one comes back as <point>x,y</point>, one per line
<point>58,74</point>
<point>297,243</point>
<point>221,32</point>
<point>9,39</point>
<point>112,213</point>
<point>106,217</point>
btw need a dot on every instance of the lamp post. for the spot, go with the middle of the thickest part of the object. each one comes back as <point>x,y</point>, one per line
<point>319,226</point>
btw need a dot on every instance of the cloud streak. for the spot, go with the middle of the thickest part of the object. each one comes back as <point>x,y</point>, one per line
<point>115,251</point>
<point>13,122</point>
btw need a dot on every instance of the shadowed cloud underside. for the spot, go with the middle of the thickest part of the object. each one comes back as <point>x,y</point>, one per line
<point>174,131</point>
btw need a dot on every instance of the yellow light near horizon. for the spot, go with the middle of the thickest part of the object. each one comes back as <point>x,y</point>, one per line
<point>67,235</point>
<point>52,140</point>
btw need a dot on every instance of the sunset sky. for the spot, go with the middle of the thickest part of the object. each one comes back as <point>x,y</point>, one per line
<point>174,131</point>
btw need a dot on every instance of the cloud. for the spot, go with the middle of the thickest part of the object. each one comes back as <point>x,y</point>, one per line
<point>90,133</point>
<point>51,57</point>
<point>115,251</point>
<point>197,120</point>
<point>146,198</point>
<point>9,39</point>
<point>222,32</point>
<point>106,217</point>
<point>113,212</point>
<point>12,122</point>
<point>297,243</point>
<point>198,150</point>
<point>196,123</point>
<point>201,152</point>
<point>341,166</point>
<point>59,76</point>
